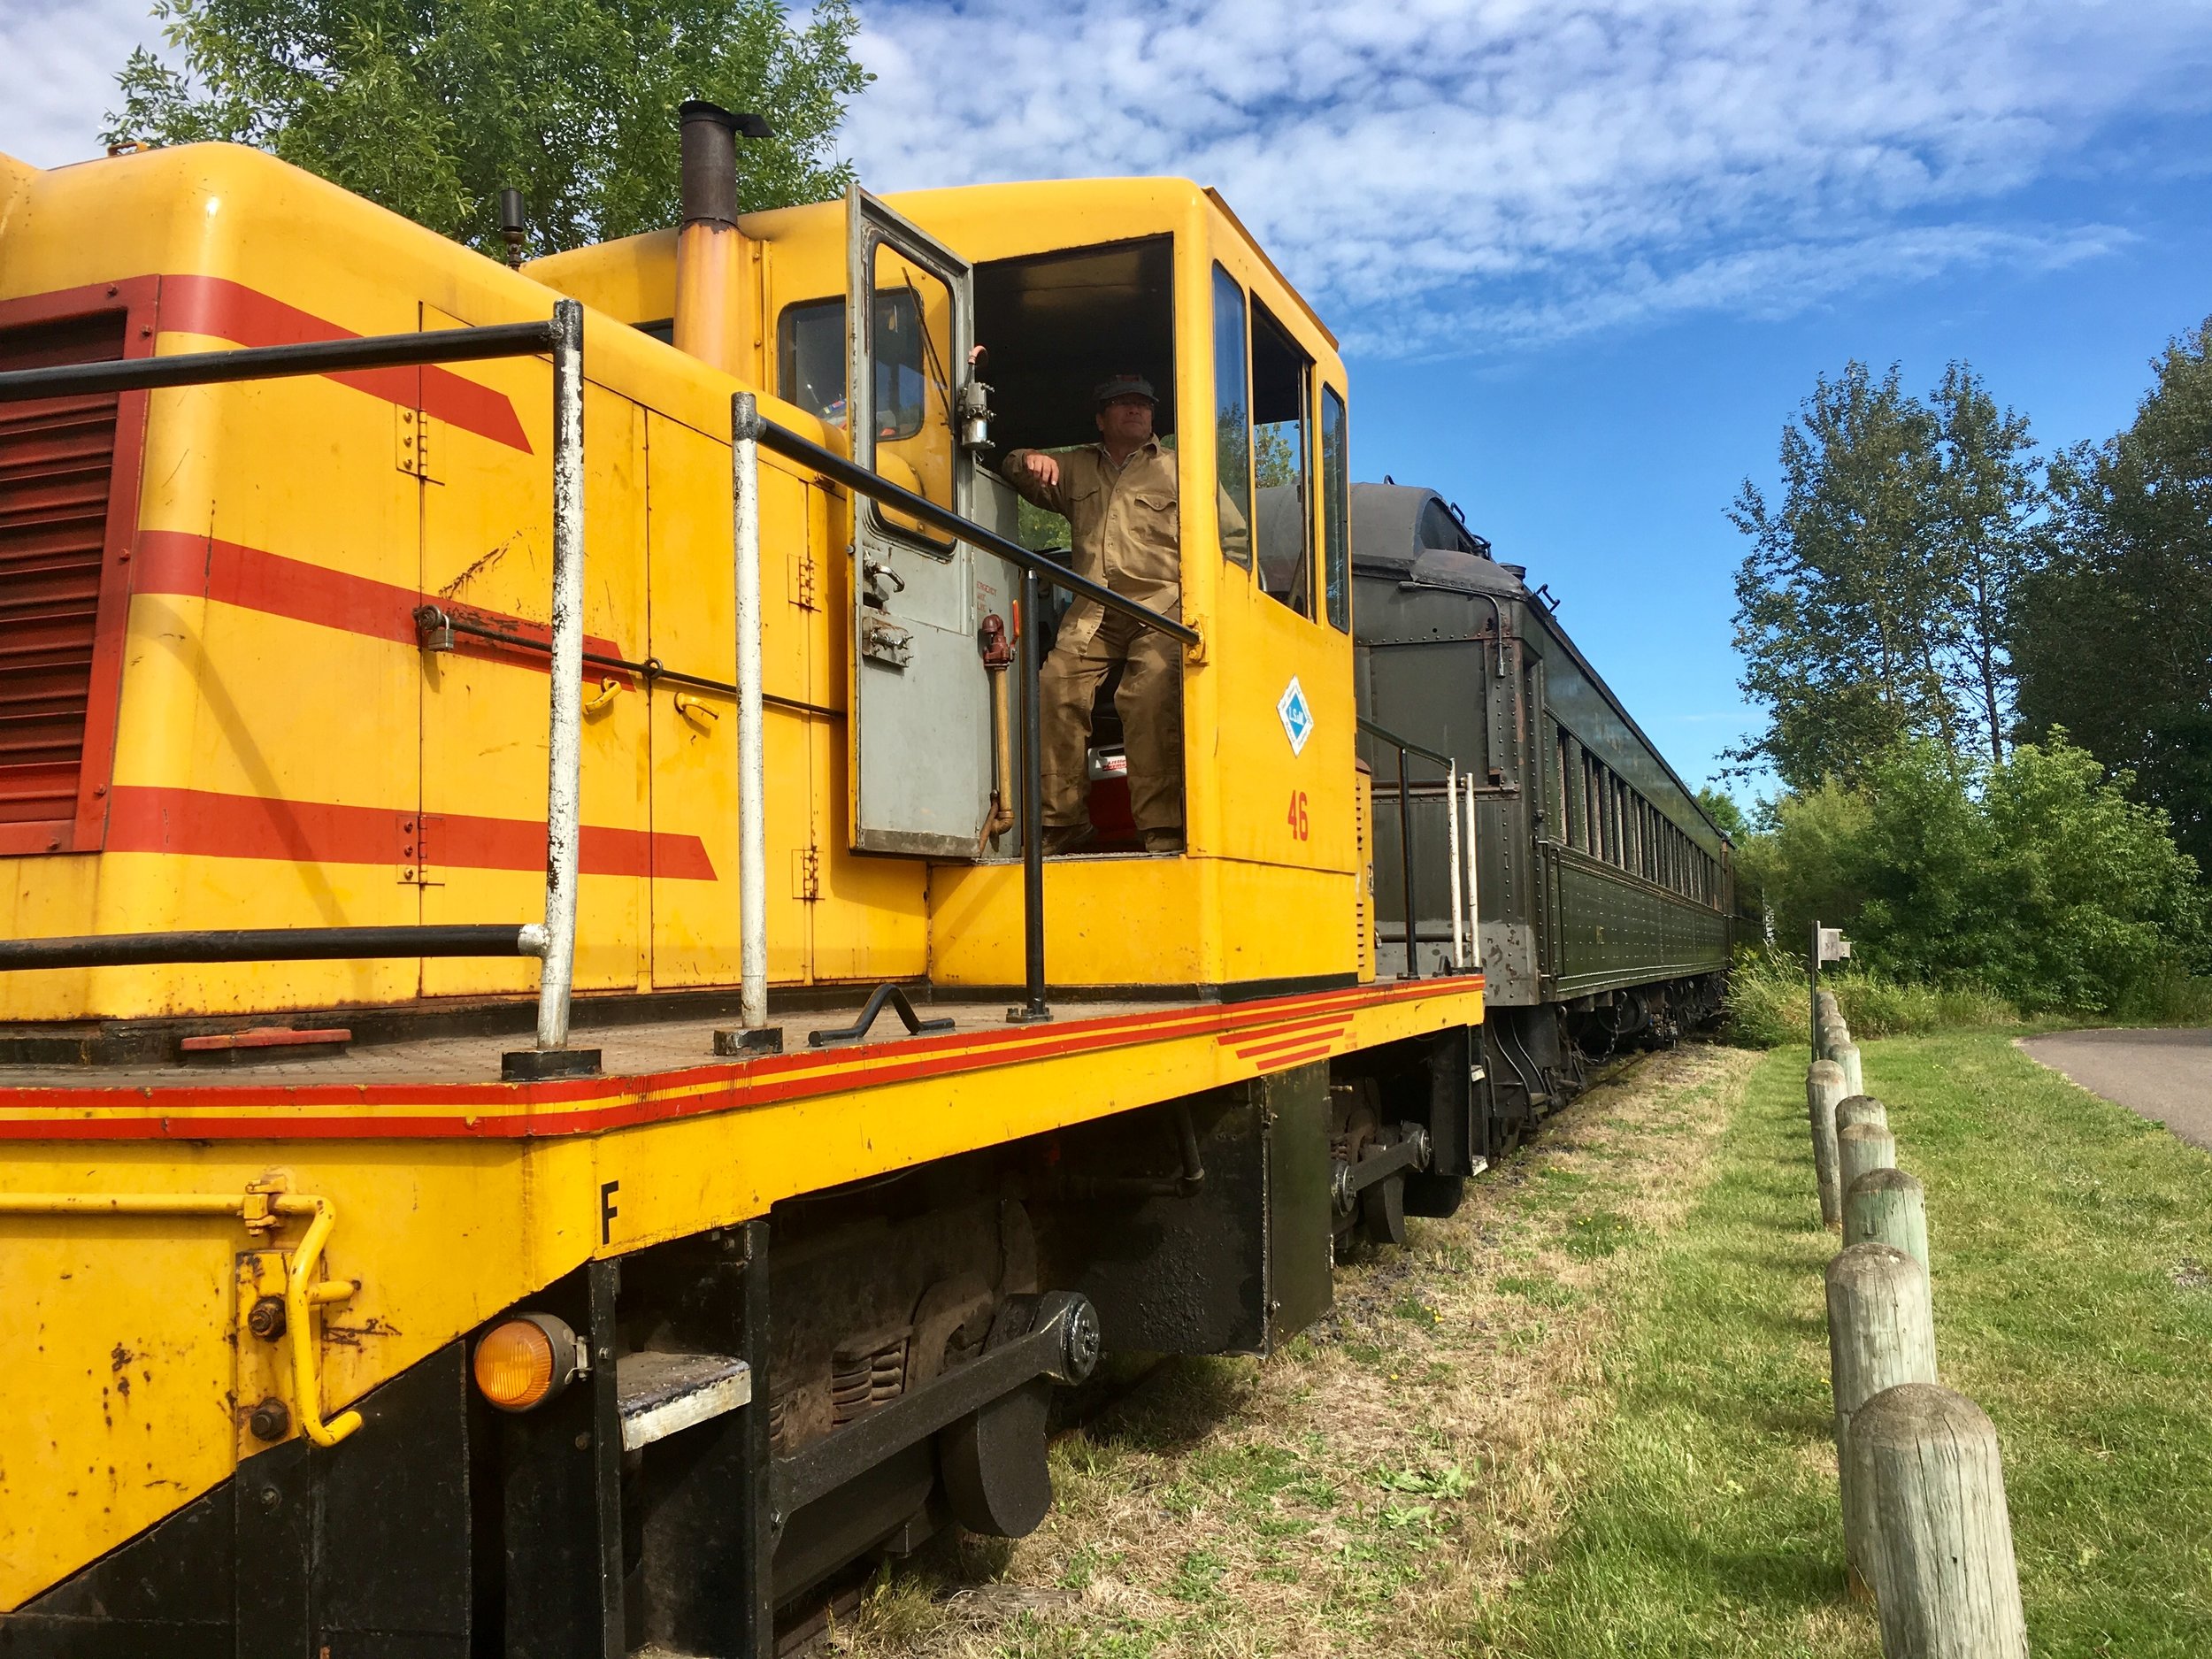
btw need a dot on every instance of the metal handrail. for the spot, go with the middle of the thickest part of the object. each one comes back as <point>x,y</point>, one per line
<point>1404,745</point>
<point>275,944</point>
<point>555,941</point>
<point>269,363</point>
<point>839,469</point>
<point>1461,892</point>
<point>1034,568</point>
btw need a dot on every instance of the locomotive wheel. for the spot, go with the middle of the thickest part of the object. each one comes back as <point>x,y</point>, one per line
<point>1382,1211</point>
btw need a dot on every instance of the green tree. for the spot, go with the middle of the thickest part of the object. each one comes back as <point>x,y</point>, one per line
<point>1727,817</point>
<point>2112,635</point>
<point>432,109</point>
<point>1833,615</point>
<point>1872,608</point>
<point>1988,496</point>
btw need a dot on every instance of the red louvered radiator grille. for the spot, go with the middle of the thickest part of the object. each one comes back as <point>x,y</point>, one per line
<point>57,456</point>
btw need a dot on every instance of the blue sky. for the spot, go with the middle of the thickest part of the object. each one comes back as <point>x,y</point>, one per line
<point>1585,255</point>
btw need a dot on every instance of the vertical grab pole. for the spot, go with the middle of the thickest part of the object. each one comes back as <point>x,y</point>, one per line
<point>1474,875</point>
<point>1451,820</point>
<point>1033,1007</point>
<point>1405,864</point>
<point>752,765</point>
<point>565,762</point>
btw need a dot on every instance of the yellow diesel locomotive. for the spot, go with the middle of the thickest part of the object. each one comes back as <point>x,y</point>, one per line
<point>473,740</point>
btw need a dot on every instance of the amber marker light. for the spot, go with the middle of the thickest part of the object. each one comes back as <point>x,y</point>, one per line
<point>525,1361</point>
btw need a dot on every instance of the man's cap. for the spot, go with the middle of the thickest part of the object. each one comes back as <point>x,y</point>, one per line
<point>1124,386</point>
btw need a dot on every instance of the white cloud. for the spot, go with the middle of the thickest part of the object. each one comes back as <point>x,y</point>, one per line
<point>60,58</point>
<point>1443,176</point>
<point>1446,176</point>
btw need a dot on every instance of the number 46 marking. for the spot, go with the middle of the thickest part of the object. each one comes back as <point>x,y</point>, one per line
<point>1300,828</point>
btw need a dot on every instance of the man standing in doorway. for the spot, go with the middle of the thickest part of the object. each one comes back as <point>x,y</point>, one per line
<point>1119,499</point>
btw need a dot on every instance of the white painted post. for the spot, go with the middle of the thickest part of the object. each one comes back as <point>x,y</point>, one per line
<point>1881,1332</point>
<point>752,765</point>
<point>1451,819</point>
<point>1823,1087</point>
<point>1474,898</point>
<point>564,754</point>
<point>1887,1206</point>
<point>1939,1538</point>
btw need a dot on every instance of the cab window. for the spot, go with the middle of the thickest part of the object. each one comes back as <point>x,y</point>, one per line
<point>1233,420</point>
<point>1336,514</point>
<point>811,362</point>
<point>1282,514</point>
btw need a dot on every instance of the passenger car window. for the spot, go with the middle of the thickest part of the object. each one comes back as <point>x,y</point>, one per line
<point>1282,514</point>
<point>1233,420</point>
<point>1336,512</point>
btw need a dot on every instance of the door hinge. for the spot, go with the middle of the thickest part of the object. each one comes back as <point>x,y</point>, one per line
<point>416,832</point>
<point>806,873</point>
<point>802,580</point>
<point>412,443</point>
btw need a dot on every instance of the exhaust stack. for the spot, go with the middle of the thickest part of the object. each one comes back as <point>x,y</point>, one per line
<point>714,319</point>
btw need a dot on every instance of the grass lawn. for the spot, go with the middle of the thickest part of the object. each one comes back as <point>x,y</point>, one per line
<point>1590,1414</point>
<point>2071,1243</point>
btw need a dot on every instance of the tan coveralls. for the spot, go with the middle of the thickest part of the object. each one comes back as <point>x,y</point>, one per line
<point>1124,525</point>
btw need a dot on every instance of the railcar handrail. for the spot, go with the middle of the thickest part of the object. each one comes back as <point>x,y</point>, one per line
<point>748,427</point>
<point>270,363</point>
<point>1404,745</point>
<point>1465,923</point>
<point>839,469</point>
<point>275,944</point>
<point>554,941</point>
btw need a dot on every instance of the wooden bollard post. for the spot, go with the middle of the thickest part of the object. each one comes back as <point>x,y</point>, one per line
<point>1881,1332</point>
<point>1823,1087</point>
<point>1826,1007</point>
<point>1887,1206</point>
<point>1846,1056</point>
<point>1861,1109</point>
<point>1939,1538</point>
<point>1862,1148</point>
<point>1834,1035</point>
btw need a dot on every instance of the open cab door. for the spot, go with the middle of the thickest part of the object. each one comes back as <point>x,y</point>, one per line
<point>920,720</point>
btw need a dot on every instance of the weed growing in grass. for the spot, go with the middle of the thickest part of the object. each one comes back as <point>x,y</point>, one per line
<point>1410,1307</point>
<point>1596,1234</point>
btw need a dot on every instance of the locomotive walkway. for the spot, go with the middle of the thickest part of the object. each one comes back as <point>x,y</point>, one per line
<point>2165,1075</point>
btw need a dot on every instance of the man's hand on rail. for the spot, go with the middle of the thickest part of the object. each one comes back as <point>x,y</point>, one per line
<point>1044,468</point>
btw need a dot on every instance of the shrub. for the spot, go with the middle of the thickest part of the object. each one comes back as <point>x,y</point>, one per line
<point>2037,879</point>
<point>1769,1003</point>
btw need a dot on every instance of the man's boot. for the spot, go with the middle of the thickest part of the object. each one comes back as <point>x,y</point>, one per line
<point>1067,838</point>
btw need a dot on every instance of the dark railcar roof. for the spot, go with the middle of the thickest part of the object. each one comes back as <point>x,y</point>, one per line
<point>1388,521</point>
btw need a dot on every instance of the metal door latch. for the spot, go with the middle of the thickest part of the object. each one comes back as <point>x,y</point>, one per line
<point>886,642</point>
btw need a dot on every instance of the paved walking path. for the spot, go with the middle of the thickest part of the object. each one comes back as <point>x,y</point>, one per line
<point>2162,1074</point>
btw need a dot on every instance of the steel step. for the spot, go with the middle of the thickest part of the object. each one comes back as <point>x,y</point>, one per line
<point>660,1393</point>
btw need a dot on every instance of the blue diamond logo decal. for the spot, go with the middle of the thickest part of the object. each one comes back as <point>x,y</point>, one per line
<point>1296,715</point>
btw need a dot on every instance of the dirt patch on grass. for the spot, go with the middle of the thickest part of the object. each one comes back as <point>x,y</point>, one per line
<point>1369,1486</point>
